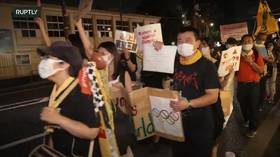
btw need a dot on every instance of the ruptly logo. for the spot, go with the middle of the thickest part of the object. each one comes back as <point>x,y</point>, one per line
<point>26,12</point>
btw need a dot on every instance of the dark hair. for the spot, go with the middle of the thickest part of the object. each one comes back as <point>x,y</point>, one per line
<point>190,29</point>
<point>111,48</point>
<point>231,41</point>
<point>207,41</point>
<point>261,33</point>
<point>76,41</point>
<point>256,52</point>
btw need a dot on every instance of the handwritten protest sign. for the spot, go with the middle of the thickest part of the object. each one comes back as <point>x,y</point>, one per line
<point>125,40</point>
<point>236,30</point>
<point>165,120</point>
<point>159,61</point>
<point>230,58</point>
<point>148,34</point>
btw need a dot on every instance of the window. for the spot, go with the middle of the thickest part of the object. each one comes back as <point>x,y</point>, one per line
<point>122,25</point>
<point>87,24</point>
<point>104,28</point>
<point>55,26</point>
<point>27,26</point>
<point>23,59</point>
<point>134,24</point>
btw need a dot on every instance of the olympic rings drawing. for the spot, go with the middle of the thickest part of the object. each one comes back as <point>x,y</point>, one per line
<point>169,117</point>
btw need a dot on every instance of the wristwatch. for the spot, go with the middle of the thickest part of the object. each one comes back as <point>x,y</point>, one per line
<point>190,105</point>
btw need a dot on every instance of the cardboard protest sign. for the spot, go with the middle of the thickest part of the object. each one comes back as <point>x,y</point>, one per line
<point>159,61</point>
<point>236,30</point>
<point>146,111</point>
<point>226,97</point>
<point>142,119</point>
<point>229,58</point>
<point>148,34</point>
<point>167,123</point>
<point>120,98</point>
<point>125,40</point>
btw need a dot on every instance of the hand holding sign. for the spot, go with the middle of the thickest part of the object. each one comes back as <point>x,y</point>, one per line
<point>148,34</point>
<point>84,7</point>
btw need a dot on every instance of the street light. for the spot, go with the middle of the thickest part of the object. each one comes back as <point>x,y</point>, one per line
<point>211,24</point>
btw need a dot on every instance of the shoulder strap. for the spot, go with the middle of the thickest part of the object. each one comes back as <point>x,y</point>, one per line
<point>56,103</point>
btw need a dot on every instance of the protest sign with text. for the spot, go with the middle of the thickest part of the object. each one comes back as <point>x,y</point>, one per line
<point>125,40</point>
<point>159,61</point>
<point>230,58</point>
<point>148,34</point>
<point>236,30</point>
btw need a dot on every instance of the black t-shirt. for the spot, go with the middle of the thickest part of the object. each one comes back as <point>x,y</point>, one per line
<point>79,107</point>
<point>192,80</point>
<point>133,60</point>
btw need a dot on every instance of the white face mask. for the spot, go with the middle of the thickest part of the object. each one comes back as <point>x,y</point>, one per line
<point>107,58</point>
<point>46,68</point>
<point>247,47</point>
<point>185,49</point>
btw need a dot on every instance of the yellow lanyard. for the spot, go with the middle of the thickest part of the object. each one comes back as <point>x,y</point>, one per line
<point>56,97</point>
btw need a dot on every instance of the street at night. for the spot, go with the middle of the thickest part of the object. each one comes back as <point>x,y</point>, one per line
<point>141,78</point>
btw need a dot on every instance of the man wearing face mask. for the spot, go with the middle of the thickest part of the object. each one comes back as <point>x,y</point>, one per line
<point>248,90</point>
<point>197,79</point>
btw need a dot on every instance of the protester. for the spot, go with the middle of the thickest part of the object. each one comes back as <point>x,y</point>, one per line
<point>197,79</point>
<point>69,109</point>
<point>248,90</point>
<point>231,42</point>
<point>128,61</point>
<point>260,46</point>
<point>271,73</point>
<point>119,76</point>
<point>206,50</point>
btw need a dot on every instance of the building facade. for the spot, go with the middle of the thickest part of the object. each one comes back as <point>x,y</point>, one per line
<point>19,37</point>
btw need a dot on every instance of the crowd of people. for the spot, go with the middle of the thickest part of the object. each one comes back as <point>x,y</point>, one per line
<point>77,118</point>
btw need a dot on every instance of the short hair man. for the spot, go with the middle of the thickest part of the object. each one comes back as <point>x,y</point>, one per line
<point>197,79</point>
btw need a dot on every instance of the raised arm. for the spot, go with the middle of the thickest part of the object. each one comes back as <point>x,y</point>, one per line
<point>85,40</point>
<point>43,31</point>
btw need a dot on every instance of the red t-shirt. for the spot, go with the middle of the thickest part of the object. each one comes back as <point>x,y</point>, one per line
<point>246,72</point>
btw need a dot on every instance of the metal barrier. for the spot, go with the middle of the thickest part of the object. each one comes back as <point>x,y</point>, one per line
<point>23,104</point>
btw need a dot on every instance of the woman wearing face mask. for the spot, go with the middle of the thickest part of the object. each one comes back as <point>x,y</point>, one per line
<point>70,111</point>
<point>248,90</point>
<point>206,50</point>
<point>118,77</point>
